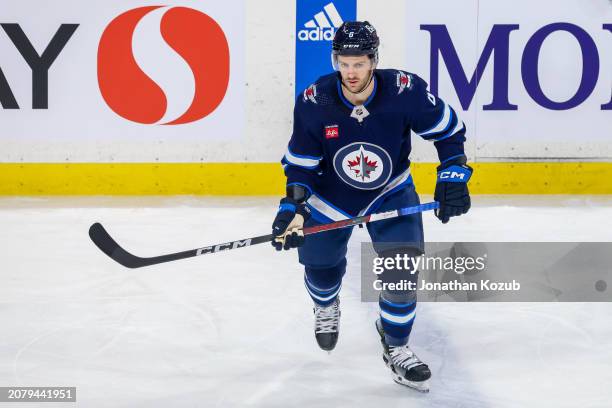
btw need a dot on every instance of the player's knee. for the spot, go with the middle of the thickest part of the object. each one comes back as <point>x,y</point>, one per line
<point>325,276</point>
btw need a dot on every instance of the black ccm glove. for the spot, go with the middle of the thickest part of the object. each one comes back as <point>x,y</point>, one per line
<point>289,222</point>
<point>451,189</point>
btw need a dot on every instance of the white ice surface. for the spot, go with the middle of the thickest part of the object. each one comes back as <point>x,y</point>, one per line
<point>235,329</point>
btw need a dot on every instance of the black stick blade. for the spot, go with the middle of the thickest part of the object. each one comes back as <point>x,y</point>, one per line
<point>110,247</point>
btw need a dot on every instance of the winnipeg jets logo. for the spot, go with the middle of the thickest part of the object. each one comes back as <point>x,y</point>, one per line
<point>403,81</point>
<point>363,165</point>
<point>310,93</point>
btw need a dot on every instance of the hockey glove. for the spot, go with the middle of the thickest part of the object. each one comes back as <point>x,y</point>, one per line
<point>288,224</point>
<point>451,189</point>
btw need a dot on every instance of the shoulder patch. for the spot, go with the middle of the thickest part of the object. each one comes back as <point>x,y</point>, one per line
<point>310,93</point>
<point>404,81</point>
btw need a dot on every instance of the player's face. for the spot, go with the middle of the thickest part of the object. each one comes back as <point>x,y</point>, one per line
<point>355,71</point>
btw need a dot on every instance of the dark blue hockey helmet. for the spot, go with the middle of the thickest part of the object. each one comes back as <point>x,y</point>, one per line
<point>356,38</point>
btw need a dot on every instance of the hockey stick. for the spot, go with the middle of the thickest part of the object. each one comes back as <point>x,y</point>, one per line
<point>110,247</point>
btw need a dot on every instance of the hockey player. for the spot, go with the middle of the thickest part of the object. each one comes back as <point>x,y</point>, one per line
<point>348,156</point>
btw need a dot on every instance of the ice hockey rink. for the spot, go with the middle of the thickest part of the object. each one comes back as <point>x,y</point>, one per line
<point>234,329</point>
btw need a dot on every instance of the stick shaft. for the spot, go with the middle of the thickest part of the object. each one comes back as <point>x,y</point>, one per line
<point>110,247</point>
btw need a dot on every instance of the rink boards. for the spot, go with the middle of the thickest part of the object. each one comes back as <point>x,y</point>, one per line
<point>533,89</point>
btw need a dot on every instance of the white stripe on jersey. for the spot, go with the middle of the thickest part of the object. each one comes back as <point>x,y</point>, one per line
<point>442,124</point>
<point>325,209</point>
<point>309,163</point>
<point>457,128</point>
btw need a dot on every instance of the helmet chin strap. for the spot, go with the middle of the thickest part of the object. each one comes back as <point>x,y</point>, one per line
<point>363,87</point>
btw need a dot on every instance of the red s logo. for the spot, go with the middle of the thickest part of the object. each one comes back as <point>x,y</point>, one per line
<point>193,35</point>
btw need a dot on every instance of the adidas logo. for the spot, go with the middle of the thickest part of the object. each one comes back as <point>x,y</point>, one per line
<point>323,26</point>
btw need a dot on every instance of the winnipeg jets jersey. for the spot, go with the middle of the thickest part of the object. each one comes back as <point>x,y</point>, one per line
<point>351,157</point>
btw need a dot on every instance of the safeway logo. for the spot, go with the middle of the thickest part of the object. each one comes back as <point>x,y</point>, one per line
<point>160,65</point>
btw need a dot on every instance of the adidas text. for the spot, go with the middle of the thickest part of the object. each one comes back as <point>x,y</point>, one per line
<point>317,34</point>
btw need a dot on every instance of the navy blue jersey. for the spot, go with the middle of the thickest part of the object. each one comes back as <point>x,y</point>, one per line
<point>351,157</point>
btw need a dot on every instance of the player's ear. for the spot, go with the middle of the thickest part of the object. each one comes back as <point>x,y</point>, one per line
<point>373,61</point>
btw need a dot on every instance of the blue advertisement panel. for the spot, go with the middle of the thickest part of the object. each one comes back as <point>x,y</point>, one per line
<point>315,26</point>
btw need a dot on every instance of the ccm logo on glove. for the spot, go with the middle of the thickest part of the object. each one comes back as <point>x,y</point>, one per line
<point>455,174</point>
<point>451,189</point>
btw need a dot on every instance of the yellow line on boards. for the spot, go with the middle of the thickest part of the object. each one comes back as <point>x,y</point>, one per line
<point>27,179</point>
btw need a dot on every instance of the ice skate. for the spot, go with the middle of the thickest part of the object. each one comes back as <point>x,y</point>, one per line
<point>406,368</point>
<point>327,322</point>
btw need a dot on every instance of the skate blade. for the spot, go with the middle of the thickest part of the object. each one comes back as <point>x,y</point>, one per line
<point>422,386</point>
